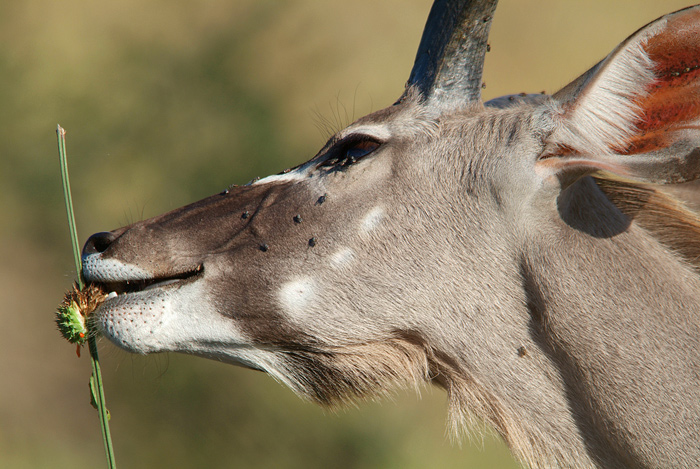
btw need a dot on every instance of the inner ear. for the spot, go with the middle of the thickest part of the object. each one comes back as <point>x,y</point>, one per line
<point>636,113</point>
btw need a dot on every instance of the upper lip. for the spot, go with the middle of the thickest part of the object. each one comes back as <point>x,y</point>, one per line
<point>131,286</point>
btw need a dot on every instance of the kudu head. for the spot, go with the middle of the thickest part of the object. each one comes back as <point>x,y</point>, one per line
<point>395,255</point>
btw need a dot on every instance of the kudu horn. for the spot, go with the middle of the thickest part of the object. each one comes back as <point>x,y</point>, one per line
<point>450,59</point>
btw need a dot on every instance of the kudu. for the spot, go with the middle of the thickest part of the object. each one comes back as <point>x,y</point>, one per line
<point>513,252</point>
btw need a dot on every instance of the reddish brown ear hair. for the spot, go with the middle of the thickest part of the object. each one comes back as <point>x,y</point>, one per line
<point>636,113</point>
<point>672,101</point>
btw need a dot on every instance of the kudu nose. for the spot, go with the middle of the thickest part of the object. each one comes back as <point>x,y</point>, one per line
<point>99,242</point>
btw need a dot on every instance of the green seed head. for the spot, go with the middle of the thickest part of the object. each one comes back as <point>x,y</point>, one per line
<point>71,323</point>
<point>72,314</point>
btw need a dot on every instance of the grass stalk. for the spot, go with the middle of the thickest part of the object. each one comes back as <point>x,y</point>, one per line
<point>96,389</point>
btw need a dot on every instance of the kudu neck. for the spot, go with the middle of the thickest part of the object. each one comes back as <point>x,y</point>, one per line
<point>617,315</point>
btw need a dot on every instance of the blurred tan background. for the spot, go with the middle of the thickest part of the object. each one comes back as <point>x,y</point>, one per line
<point>166,102</point>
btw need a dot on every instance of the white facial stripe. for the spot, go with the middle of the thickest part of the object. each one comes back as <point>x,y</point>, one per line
<point>379,131</point>
<point>297,295</point>
<point>97,269</point>
<point>292,176</point>
<point>372,220</point>
<point>299,174</point>
<point>342,258</point>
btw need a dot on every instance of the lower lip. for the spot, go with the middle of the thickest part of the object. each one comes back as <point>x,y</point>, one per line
<point>131,299</point>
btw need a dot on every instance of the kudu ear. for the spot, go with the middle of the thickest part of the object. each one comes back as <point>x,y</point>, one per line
<point>637,112</point>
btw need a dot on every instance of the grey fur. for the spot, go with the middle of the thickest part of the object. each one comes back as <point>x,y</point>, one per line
<point>470,247</point>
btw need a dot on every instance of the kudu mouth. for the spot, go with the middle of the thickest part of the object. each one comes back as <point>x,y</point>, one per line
<point>134,286</point>
<point>138,304</point>
<point>118,280</point>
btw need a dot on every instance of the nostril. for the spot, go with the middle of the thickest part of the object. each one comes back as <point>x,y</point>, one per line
<point>99,242</point>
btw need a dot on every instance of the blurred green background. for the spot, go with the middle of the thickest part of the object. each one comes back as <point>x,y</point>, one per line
<point>166,102</point>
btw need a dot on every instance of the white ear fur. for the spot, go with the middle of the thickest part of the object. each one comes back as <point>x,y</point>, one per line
<point>603,115</point>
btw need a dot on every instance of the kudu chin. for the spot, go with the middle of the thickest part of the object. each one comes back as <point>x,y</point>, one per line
<point>514,252</point>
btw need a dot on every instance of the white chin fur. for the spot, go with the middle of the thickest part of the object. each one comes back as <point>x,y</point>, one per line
<point>167,320</point>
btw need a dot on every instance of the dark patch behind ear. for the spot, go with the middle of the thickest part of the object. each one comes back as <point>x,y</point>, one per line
<point>662,215</point>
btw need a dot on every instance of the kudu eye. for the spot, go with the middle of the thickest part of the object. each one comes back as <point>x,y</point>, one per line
<point>349,150</point>
<point>358,149</point>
